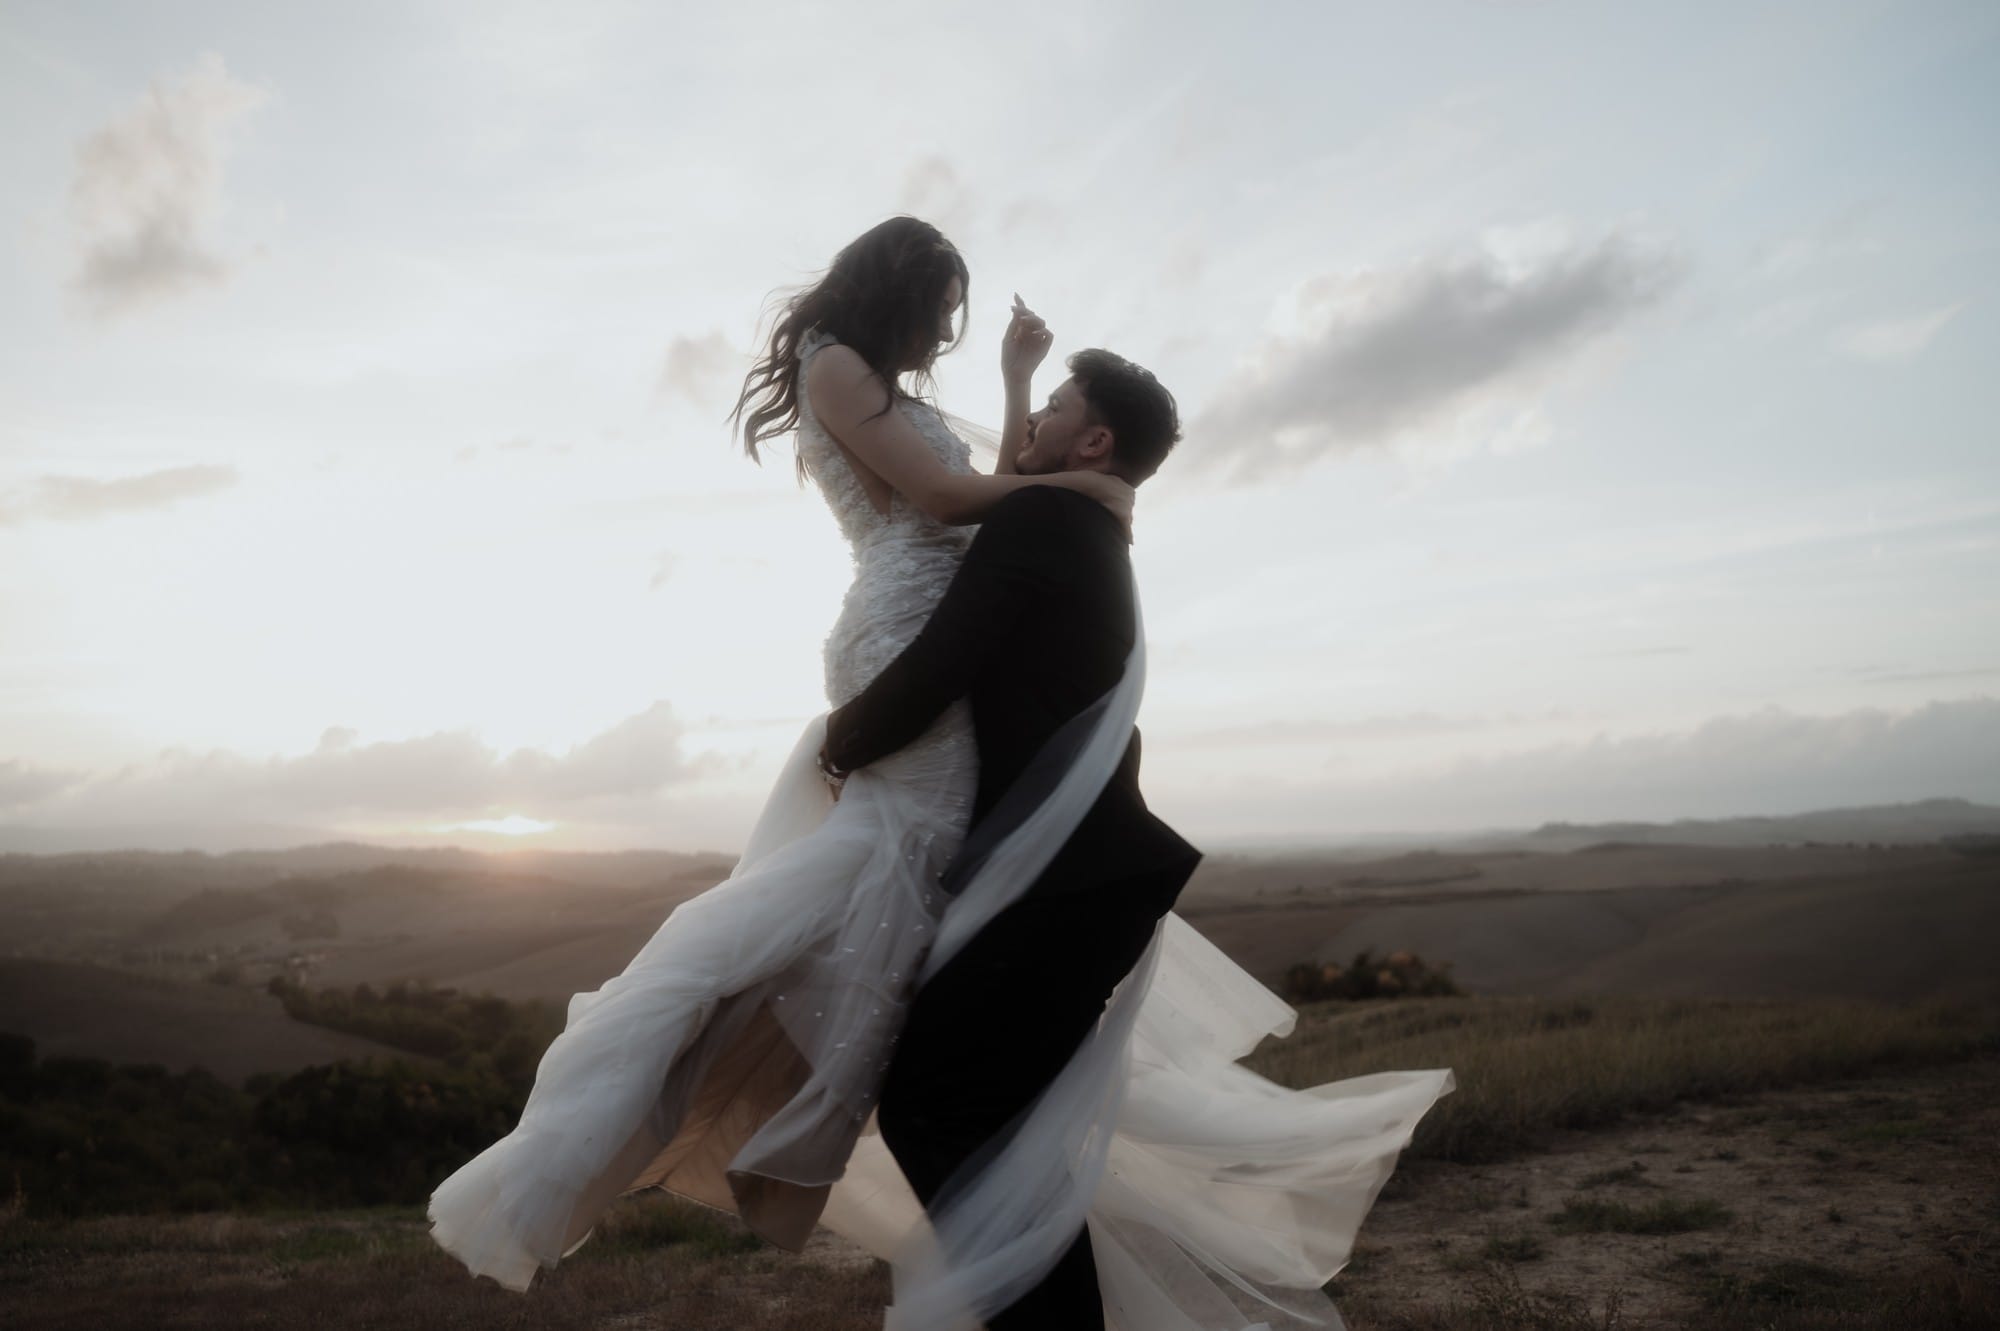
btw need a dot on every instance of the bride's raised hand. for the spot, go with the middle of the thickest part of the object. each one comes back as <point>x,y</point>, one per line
<point>1024,344</point>
<point>1106,489</point>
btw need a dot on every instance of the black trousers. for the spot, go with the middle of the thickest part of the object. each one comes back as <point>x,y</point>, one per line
<point>995,1026</point>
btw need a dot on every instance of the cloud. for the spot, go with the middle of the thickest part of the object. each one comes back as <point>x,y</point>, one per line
<point>933,190</point>
<point>1842,237</point>
<point>1670,649</point>
<point>1319,732</point>
<point>697,368</point>
<point>1765,759</point>
<point>638,756</point>
<point>1474,335</point>
<point>637,783</point>
<point>1887,341</point>
<point>1768,761</point>
<point>517,444</point>
<point>663,570</point>
<point>147,187</point>
<point>21,783</point>
<point>1928,676</point>
<point>81,498</point>
<point>448,774</point>
<point>1791,314</point>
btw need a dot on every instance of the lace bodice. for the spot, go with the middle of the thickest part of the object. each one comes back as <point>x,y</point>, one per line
<point>903,559</point>
<point>860,521</point>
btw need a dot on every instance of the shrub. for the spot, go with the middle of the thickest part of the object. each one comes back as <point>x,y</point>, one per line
<point>462,1030</point>
<point>1398,975</point>
<point>82,1136</point>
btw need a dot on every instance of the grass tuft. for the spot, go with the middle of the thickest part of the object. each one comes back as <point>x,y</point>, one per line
<point>1514,1248</point>
<point>1592,1215</point>
<point>1781,1285</point>
<point>648,1224</point>
<point>1633,1173</point>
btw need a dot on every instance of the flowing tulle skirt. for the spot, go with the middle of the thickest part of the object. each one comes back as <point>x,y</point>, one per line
<point>738,1056</point>
<point>736,1059</point>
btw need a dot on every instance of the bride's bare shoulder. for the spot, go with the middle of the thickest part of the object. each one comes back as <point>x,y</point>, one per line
<point>840,382</point>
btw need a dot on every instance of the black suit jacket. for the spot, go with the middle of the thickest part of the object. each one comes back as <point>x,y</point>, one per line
<point>1034,628</point>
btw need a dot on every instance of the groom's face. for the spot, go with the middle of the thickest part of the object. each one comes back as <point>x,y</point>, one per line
<point>1061,435</point>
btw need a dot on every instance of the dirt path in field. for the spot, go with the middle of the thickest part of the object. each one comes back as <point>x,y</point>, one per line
<point>1797,1199</point>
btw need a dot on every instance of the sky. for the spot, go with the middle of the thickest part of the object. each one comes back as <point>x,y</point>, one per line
<point>1584,404</point>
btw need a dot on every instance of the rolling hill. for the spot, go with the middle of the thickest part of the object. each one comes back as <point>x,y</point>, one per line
<point>72,1010</point>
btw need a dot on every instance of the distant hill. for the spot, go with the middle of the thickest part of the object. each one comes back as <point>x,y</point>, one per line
<point>125,907</point>
<point>1906,928</point>
<point>164,872</point>
<point>621,868</point>
<point>1881,824</point>
<point>71,1010</point>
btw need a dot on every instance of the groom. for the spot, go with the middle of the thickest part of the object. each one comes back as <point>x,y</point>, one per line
<point>1035,627</point>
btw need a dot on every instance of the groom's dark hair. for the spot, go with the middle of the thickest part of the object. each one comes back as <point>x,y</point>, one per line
<point>1137,408</point>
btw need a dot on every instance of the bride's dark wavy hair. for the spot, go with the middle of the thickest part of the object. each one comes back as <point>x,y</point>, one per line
<point>880,297</point>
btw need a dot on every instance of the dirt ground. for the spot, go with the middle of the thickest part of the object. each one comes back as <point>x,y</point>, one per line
<point>1789,1197</point>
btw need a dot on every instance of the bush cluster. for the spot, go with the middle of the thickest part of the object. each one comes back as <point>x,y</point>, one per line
<point>461,1030</point>
<point>82,1136</point>
<point>1398,975</point>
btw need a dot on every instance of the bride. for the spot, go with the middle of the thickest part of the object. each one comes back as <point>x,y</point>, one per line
<point>737,1058</point>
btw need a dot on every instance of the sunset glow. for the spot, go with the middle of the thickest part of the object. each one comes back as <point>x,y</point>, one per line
<point>514,825</point>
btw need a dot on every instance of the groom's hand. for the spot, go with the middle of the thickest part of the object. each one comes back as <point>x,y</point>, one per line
<point>1027,341</point>
<point>834,777</point>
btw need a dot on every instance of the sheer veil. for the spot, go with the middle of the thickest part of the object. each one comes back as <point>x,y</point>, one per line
<point>1216,1200</point>
<point>985,441</point>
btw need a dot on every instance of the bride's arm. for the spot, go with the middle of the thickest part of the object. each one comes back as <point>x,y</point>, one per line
<point>1013,425</point>
<point>848,397</point>
<point>1022,347</point>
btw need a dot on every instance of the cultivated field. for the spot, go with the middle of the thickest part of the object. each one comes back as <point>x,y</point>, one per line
<point>94,1012</point>
<point>1897,922</point>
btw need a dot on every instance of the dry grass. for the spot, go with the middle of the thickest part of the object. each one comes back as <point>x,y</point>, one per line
<point>1902,1232</point>
<point>1529,1067</point>
<point>658,1263</point>
<point>1668,1215</point>
<point>1783,1296</point>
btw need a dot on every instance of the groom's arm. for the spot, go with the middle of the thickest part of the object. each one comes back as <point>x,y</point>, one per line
<point>1016,561</point>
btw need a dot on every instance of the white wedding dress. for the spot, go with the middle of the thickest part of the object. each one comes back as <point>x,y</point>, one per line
<point>737,1058</point>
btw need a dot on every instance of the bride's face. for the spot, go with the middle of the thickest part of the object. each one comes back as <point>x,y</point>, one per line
<point>954,296</point>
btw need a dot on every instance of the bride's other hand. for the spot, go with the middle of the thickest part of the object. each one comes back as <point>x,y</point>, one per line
<point>1025,343</point>
<point>1106,489</point>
